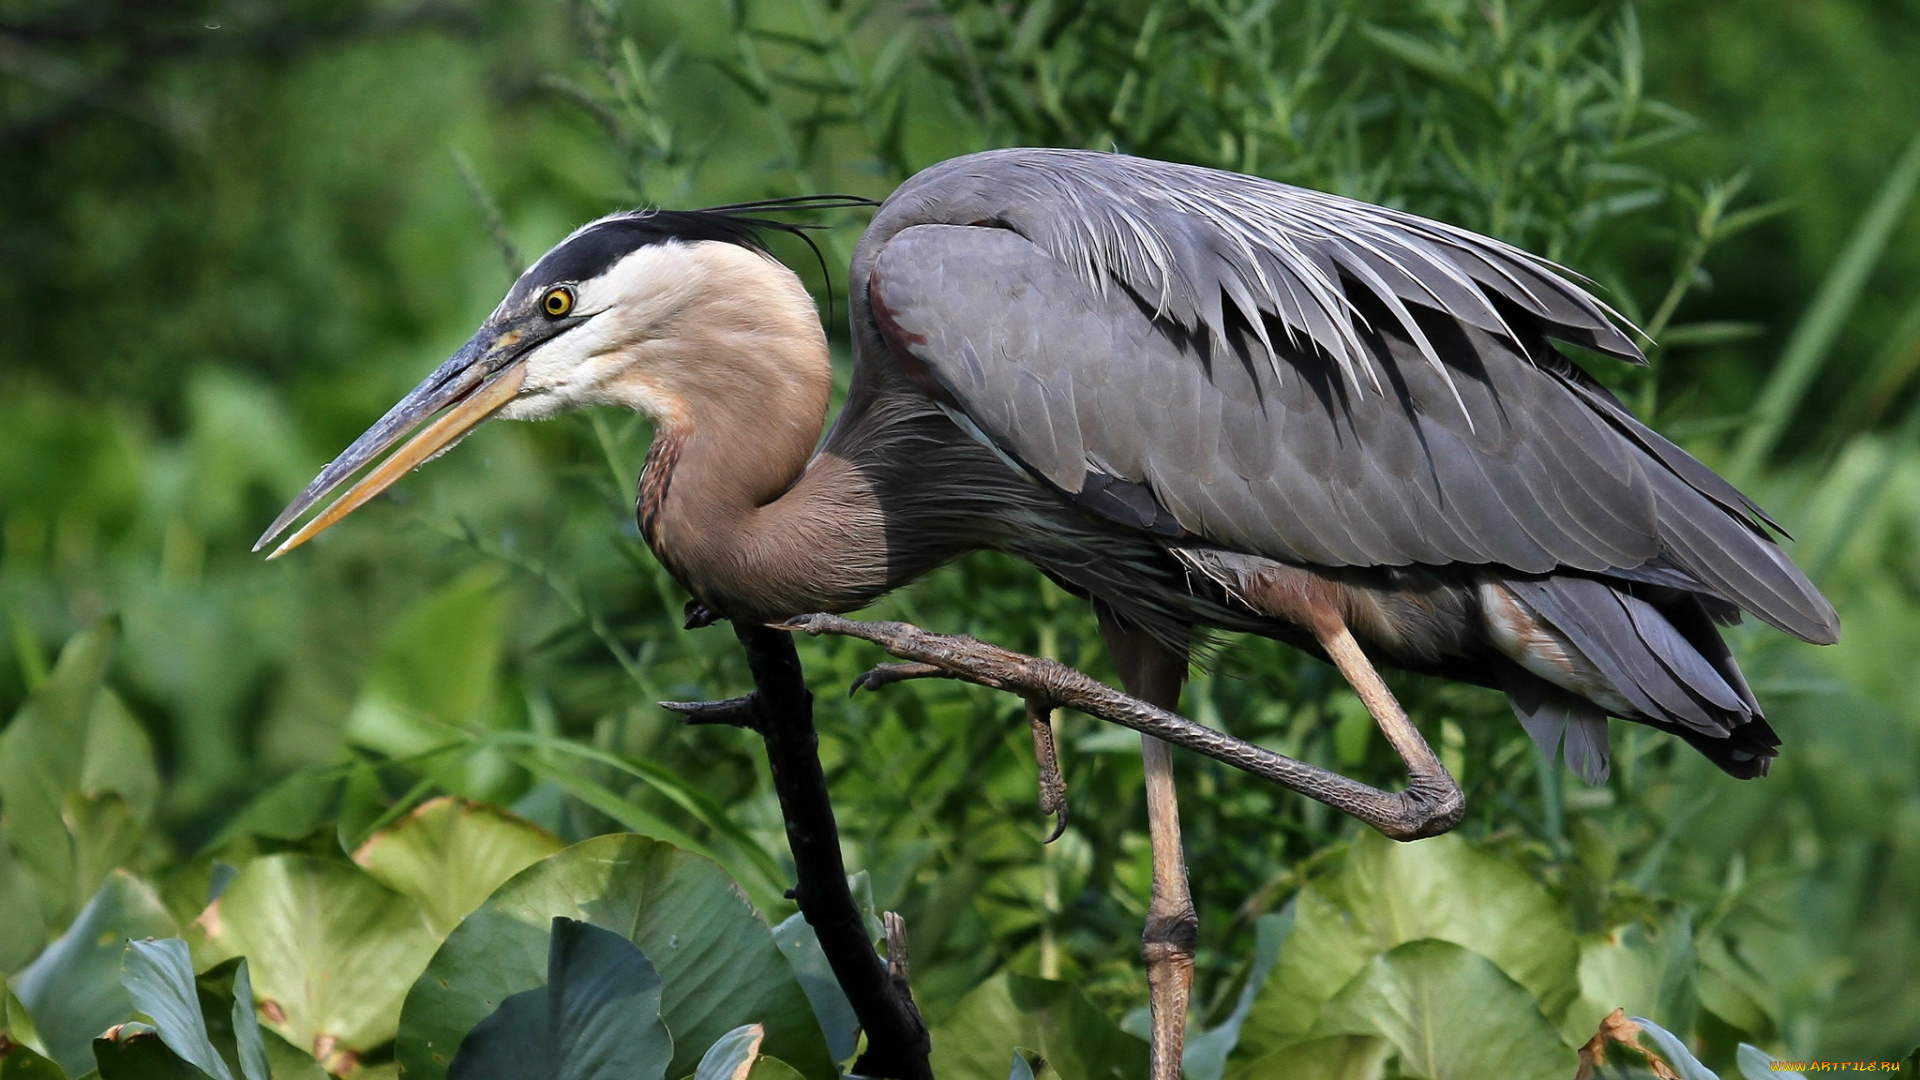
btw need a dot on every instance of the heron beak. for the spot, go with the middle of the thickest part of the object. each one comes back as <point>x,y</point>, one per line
<point>475,383</point>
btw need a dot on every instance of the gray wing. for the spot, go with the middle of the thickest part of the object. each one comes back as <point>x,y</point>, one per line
<point>1292,375</point>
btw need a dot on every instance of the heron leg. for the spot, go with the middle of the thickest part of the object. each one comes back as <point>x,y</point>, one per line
<point>1153,672</point>
<point>1434,800</point>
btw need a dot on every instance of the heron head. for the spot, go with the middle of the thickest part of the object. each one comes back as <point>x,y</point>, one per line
<point>605,318</point>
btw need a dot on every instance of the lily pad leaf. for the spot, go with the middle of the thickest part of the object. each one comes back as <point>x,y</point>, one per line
<point>715,955</point>
<point>137,1052</point>
<point>159,976</point>
<point>18,1061</point>
<point>597,1018</point>
<point>1387,894</point>
<point>515,1043</point>
<point>1450,1014</point>
<point>330,950</point>
<point>254,1064</point>
<point>731,1056</point>
<point>1675,1052</point>
<point>1330,1057</point>
<point>73,990</point>
<point>450,854</point>
<point>1010,1011</point>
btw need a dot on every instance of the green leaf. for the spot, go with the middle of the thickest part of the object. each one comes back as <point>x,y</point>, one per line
<point>604,1007</point>
<point>714,954</point>
<point>331,951</point>
<point>772,1068</point>
<point>450,854</point>
<point>1054,1018</point>
<point>16,1023</point>
<point>1757,1064</point>
<point>73,990</point>
<point>437,667</point>
<point>1815,333</point>
<point>1674,1051</point>
<point>136,1052</point>
<point>20,1062</point>
<point>731,1056</point>
<point>598,1017</point>
<point>23,914</point>
<point>1450,1014</point>
<point>252,1049</point>
<point>71,737</point>
<point>1386,894</point>
<point>158,974</point>
<point>1331,1057</point>
<point>1638,969</point>
<point>106,836</point>
<point>1205,1054</point>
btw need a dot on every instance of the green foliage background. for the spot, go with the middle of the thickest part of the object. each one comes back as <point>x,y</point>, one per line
<point>232,233</point>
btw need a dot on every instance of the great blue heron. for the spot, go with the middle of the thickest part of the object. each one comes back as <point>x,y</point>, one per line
<point>1199,398</point>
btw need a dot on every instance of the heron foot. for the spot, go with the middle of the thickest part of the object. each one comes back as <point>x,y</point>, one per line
<point>698,615</point>
<point>887,674</point>
<point>1046,757</point>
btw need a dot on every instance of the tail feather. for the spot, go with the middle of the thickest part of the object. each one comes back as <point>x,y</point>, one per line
<point>1644,654</point>
<point>1550,714</point>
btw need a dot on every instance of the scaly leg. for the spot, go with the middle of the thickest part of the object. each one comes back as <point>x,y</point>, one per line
<point>1152,672</point>
<point>1440,795</point>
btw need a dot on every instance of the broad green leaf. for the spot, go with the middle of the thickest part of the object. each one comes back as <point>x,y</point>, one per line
<point>73,989</point>
<point>438,666</point>
<point>49,751</point>
<point>603,1002</point>
<point>23,914</point>
<point>597,1018</point>
<point>249,1045</point>
<point>16,1023</point>
<point>1386,894</point>
<point>1450,1014</point>
<point>119,757</point>
<point>105,836</point>
<point>136,1052</point>
<point>514,1041</point>
<point>158,974</point>
<point>1757,1064</point>
<point>331,951</point>
<point>1205,1054</point>
<point>1330,1057</point>
<point>1637,969</point>
<point>715,955</point>
<point>292,808</point>
<point>772,1068</point>
<point>19,1061</point>
<point>450,854</point>
<point>1053,1018</point>
<point>1672,1050</point>
<point>731,1056</point>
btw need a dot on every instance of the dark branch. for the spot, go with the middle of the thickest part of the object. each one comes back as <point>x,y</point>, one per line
<point>781,710</point>
<point>1428,807</point>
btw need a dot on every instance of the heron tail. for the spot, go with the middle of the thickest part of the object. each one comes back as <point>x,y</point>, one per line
<point>1588,647</point>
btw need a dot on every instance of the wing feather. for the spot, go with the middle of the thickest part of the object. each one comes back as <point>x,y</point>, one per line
<point>1297,376</point>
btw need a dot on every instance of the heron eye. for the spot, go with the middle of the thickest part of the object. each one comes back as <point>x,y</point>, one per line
<point>557,302</point>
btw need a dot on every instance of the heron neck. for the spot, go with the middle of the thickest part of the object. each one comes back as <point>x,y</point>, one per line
<point>733,500</point>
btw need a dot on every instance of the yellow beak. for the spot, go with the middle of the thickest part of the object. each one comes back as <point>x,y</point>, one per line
<point>490,398</point>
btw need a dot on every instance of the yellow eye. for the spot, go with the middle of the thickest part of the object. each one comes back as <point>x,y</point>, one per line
<point>557,302</point>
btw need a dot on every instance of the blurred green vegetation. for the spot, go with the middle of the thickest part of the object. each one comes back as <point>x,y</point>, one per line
<point>231,233</point>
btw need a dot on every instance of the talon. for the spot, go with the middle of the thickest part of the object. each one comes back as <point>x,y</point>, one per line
<point>698,615</point>
<point>887,674</point>
<point>1053,786</point>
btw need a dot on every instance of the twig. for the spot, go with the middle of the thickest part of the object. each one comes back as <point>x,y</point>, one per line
<point>780,710</point>
<point>1428,807</point>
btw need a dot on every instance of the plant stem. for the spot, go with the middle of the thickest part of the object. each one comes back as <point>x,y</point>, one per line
<point>781,711</point>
